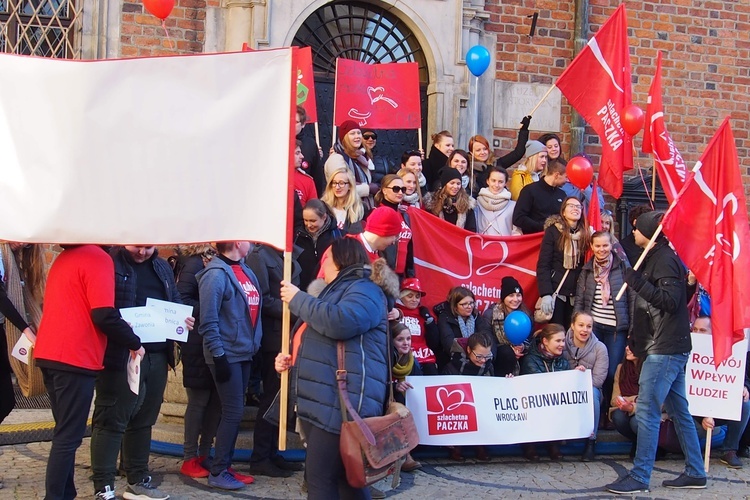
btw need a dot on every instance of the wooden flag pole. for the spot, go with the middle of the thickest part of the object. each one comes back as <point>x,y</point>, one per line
<point>317,135</point>
<point>653,182</point>
<point>285,326</point>
<point>333,137</point>
<point>544,97</point>
<point>419,140</point>
<point>707,454</point>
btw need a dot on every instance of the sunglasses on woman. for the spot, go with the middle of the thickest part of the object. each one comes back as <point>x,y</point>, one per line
<point>397,189</point>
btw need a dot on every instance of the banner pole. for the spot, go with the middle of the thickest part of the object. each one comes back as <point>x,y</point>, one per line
<point>419,140</point>
<point>476,125</point>
<point>317,135</point>
<point>707,454</point>
<point>333,136</point>
<point>544,97</point>
<point>285,326</point>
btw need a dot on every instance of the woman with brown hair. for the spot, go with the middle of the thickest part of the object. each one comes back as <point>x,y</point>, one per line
<point>400,256</point>
<point>451,203</point>
<point>561,256</point>
<point>442,147</point>
<point>350,152</point>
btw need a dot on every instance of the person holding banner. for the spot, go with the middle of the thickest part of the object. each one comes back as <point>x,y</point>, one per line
<point>494,210</point>
<point>350,309</point>
<point>546,355</point>
<point>561,256</point>
<point>457,318</point>
<point>661,336</point>
<point>582,348</point>
<point>735,428</point>
<point>342,199</point>
<point>600,279</point>
<point>350,152</point>
<point>507,355</point>
<point>451,203</point>
<point>442,148</point>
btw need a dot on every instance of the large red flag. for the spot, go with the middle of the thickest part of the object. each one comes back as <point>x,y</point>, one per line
<point>597,84</point>
<point>446,256</point>
<point>382,96</point>
<point>306,84</point>
<point>656,140</point>
<point>709,229</point>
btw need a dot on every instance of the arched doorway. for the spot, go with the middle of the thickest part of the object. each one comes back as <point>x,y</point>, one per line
<point>368,33</point>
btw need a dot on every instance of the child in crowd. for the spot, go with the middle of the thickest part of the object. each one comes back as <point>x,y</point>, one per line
<point>473,356</point>
<point>425,338</point>
<point>507,355</point>
<point>404,365</point>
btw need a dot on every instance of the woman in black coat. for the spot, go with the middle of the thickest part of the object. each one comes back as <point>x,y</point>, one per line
<point>319,231</point>
<point>457,318</point>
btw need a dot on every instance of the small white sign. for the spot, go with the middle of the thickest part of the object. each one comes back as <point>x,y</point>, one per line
<point>134,373</point>
<point>22,349</point>
<point>173,316</point>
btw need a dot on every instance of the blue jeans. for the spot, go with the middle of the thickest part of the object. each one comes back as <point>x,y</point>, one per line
<point>232,396</point>
<point>615,343</point>
<point>597,410</point>
<point>662,382</point>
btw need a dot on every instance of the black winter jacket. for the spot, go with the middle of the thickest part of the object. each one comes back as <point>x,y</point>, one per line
<point>432,164</point>
<point>549,267</point>
<point>312,250</point>
<point>449,330</point>
<point>660,318</point>
<point>116,355</point>
<point>536,202</point>
<point>586,290</point>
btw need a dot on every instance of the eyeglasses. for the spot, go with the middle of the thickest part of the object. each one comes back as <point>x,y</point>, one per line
<point>370,136</point>
<point>481,357</point>
<point>396,189</point>
<point>339,184</point>
<point>574,207</point>
<point>466,304</point>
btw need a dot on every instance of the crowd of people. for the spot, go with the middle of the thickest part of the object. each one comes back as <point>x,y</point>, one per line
<point>355,290</point>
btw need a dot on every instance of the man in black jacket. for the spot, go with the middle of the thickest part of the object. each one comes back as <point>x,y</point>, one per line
<point>540,199</point>
<point>661,338</point>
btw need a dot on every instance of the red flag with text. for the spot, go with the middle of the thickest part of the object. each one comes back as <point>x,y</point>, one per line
<point>656,140</point>
<point>597,84</point>
<point>446,256</point>
<point>381,96</point>
<point>708,227</point>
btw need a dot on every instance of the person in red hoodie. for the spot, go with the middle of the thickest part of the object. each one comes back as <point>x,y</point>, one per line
<point>425,337</point>
<point>79,316</point>
<point>304,184</point>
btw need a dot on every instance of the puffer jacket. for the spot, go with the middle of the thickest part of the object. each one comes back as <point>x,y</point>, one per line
<point>586,289</point>
<point>549,267</point>
<point>534,362</point>
<point>352,308</point>
<point>660,317</point>
<point>592,356</point>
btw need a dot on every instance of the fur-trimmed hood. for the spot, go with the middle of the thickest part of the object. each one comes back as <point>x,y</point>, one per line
<point>190,250</point>
<point>554,220</point>
<point>380,274</point>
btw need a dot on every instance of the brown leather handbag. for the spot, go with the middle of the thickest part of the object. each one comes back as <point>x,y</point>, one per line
<point>373,448</point>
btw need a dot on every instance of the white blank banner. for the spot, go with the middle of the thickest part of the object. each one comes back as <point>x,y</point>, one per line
<point>145,151</point>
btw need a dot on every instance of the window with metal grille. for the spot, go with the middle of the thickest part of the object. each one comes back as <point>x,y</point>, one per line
<point>359,31</point>
<point>46,28</point>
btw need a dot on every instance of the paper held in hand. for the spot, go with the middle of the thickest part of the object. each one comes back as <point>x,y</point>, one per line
<point>134,373</point>
<point>22,349</point>
<point>158,320</point>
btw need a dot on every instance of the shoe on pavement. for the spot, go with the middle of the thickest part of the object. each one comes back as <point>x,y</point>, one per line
<point>730,460</point>
<point>143,491</point>
<point>282,464</point>
<point>107,493</point>
<point>376,494</point>
<point>243,478</point>
<point>193,468</point>
<point>589,451</point>
<point>224,481</point>
<point>268,468</point>
<point>684,481</point>
<point>627,485</point>
<point>410,465</point>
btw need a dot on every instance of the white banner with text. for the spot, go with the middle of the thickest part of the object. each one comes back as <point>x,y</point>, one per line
<point>715,392</point>
<point>462,410</point>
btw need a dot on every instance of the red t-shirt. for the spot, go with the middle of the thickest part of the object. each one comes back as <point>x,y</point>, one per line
<point>402,245</point>
<point>81,279</point>
<point>253,296</point>
<point>304,186</point>
<point>415,322</point>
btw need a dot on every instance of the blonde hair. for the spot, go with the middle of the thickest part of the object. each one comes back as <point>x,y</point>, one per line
<point>352,204</point>
<point>403,172</point>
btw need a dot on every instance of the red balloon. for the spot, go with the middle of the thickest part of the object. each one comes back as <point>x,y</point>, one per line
<point>580,172</point>
<point>632,119</point>
<point>159,8</point>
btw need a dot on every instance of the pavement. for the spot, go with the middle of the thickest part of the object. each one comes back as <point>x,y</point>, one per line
<point>22,466</point>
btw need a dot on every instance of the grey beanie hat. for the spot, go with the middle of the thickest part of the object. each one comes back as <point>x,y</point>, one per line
<point>534,147</point>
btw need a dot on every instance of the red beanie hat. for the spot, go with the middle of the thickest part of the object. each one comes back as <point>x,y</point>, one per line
<point>347,127</point>
<point>384,221</point>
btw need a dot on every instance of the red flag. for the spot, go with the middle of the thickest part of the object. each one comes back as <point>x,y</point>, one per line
<point>306,84</point>
<point>597,85</point>
<point>656,140</point>
<point>382,96</point>
<point>595,211</point>
<point>475,261</point>
<point>709,229</point>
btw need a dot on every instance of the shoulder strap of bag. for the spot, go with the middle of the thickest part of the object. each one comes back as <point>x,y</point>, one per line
<point>346,404</point>
<point>561,282</point>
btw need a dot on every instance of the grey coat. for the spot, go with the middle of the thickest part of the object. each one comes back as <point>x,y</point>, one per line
<point>225,324</point>
<point>593,356</point>
<point>586,289</point>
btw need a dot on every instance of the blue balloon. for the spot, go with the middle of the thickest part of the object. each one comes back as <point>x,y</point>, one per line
<point>478,60</point>
<point>517,327</point>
